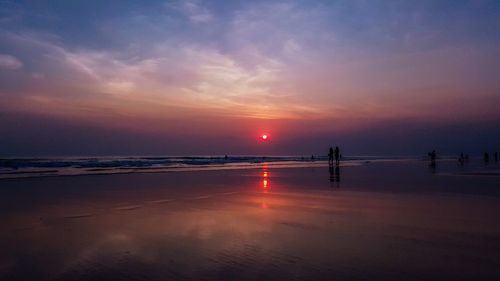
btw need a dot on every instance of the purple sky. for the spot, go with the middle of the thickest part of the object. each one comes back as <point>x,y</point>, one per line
<point>209,77</point>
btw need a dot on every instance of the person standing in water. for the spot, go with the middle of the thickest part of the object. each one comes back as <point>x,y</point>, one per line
<point>337,155</point>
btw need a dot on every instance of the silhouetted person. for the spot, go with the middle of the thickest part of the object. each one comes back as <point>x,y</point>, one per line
<point>496,157</point>
<point>433,156</point>
<point>225,157</point>
<point>337,155</point>
<point>312,157</point>
<point>330,155</point>
<point>461,159</point>
<point>486,158</point>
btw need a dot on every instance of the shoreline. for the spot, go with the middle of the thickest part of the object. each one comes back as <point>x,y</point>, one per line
<point>72,171</point>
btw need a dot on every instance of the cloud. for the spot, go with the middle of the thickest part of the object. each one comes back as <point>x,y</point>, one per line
<point>37,75</point>
<point>166,81</point>
<point>308,64</point>
<point>9,62</point>
<point>193,76</point>
<point>193,10</point>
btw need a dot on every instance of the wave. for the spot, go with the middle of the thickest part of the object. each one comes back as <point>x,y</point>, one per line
<point>36,167</point>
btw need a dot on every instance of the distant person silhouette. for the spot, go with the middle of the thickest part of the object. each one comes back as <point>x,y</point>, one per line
<point>337,155</point>
<point>461,159</point>
<point>486,158</point>
<point>496,157</point>
<point>433,156</point>
<point>330,156</point>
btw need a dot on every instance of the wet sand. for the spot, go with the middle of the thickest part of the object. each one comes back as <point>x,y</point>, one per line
<point>399,220</point>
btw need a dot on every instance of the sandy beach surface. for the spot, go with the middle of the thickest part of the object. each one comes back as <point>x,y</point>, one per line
<point>387,220</point>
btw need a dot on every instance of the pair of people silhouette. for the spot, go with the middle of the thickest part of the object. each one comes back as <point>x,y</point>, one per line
<point>334,173</point>
<point>334,153</point>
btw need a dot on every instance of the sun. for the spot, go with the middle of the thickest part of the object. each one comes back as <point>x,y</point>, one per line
<point>264,137</point>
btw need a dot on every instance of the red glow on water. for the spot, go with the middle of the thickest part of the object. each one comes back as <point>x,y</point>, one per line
<point>265,180</point>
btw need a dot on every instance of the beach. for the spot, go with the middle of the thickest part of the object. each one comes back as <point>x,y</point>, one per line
<point>365,220</point>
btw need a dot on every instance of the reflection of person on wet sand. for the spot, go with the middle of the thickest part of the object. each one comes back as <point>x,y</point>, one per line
<point>337,173</point>
<point>334,173</point>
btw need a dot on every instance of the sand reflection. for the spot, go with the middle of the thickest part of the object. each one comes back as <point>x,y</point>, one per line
<point>220,231</point>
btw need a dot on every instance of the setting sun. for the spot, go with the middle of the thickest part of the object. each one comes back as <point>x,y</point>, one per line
<point>264,137</point>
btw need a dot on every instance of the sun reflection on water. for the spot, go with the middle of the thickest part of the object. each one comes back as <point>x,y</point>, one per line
<point>265,185</point>
<point>265,179</point>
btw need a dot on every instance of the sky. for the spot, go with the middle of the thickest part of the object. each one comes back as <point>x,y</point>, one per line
<point>209,77</point>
